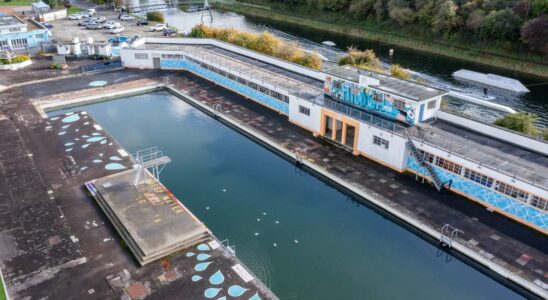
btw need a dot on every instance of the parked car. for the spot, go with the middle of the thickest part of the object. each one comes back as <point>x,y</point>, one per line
<point>142,22</point>
<point>94,26</point>
<point>101,19</point>
<point>118,39</point>
<point>169,32</point>
<point>85,22</point>
<point>127,18</point>
<point>90,11</point>
<point>47,25</point>
<point>157,27</point>
<point>116,29</point>
<point>75,16</point>
<point>111,24</point>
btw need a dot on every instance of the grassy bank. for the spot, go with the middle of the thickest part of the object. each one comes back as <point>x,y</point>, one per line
<point>2,291</point>
<point>462,52</point>
<point>18,3</point>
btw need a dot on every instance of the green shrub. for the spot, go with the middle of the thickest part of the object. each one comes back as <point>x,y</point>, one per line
<point>99,57</point>
<point>522,122</point>
<point>364,59</point>
<point>15,60</point>
<point>400,72</point>
<point>155,16</point>
<point>264,43</point>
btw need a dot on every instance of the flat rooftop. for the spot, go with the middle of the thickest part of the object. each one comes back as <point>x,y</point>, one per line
<point>404,88</point>
<point>304,87</point>
<point>506,158</point>
<point>10,21</point>
<point>151,220</point>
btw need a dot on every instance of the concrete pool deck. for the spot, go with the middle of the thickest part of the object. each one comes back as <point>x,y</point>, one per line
<point>55,241</point>
<point>502,247</point>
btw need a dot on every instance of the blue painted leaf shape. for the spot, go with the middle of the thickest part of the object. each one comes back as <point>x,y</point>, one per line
<point>236,291</point>
<point>211,292</point>
<point>217,278</point>
<point>202,266</point>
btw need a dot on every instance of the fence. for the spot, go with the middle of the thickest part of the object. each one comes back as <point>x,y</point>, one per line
<point>101,66</point>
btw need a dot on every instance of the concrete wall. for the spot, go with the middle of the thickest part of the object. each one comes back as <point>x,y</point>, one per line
<point>394,156</point>
<point>496,132</point>
<point>53,15</point>
<point>129,61</point>
<point>429,113</point>
<point>506,205</point>
<point>311,122</point>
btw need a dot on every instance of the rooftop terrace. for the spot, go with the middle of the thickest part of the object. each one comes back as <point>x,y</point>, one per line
<point>301,86</point>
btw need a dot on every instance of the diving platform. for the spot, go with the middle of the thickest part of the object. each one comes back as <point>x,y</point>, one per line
<point>150,220</point>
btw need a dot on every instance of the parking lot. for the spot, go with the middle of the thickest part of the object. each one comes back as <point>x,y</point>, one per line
<point>67,29</point>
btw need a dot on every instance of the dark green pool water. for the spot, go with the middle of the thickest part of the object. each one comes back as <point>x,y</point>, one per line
<point>303,238</point>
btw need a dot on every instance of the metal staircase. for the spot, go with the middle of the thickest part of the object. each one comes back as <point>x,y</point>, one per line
<point>420,159</point>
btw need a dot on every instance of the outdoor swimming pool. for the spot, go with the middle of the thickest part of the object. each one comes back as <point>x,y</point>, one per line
<point>303,238</point>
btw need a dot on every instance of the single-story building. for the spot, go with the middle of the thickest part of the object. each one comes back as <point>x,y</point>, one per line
<point>52,15</point>
<point>40,7</point>
<point>18,34</point>
<point>99,48</point>
<point>70,48</point>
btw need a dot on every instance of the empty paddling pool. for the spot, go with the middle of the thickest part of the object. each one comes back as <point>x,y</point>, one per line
<point>301,237</point>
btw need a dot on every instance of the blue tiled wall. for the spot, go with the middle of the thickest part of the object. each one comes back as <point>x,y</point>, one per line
<point>233,85</point>
<point>32,37</point>
<point>484,194</point>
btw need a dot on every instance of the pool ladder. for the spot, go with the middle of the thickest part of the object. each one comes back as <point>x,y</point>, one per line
<point>231,248</point>
<point>448,234</point>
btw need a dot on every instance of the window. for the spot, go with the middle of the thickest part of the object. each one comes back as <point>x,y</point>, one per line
<point>253,85</point>
<point>380,141</point>
<point>40,36</point>
<point>511,191</point>
<point>399,104</point>
<point>432,104</point>
<point>478,177</point>
<point>540,203</point>
<point>448,165</point>
<point>428,157</point>
<point>242,81</point>
<point>264,90</point>
<point>15,29</point>
<point>336,84</point>
<point>222,73</point>
<point>141,56</point>
<point>377,97</point>
<point>19,44</point>
<point>304,110</point>
<point>232,77</point>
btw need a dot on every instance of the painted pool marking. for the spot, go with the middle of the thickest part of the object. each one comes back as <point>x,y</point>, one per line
<point>203,247</point>
<point>217,278</point>
<point>196,278</point>
<point>236,290</point>
<point>114,166</point>
<point>70,119</point>
<point>211,292</point>
<point>98,83</point>
<point>203,256</point>
<point>202,266</point>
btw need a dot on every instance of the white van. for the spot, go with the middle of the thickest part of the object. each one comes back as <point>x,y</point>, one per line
<point>90,11</point>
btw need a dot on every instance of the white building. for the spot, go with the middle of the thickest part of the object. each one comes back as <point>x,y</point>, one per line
<point>394,122</point>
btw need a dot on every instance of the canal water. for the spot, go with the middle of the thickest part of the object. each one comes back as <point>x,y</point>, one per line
<point>432,68</point>
<point>303,238</point>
